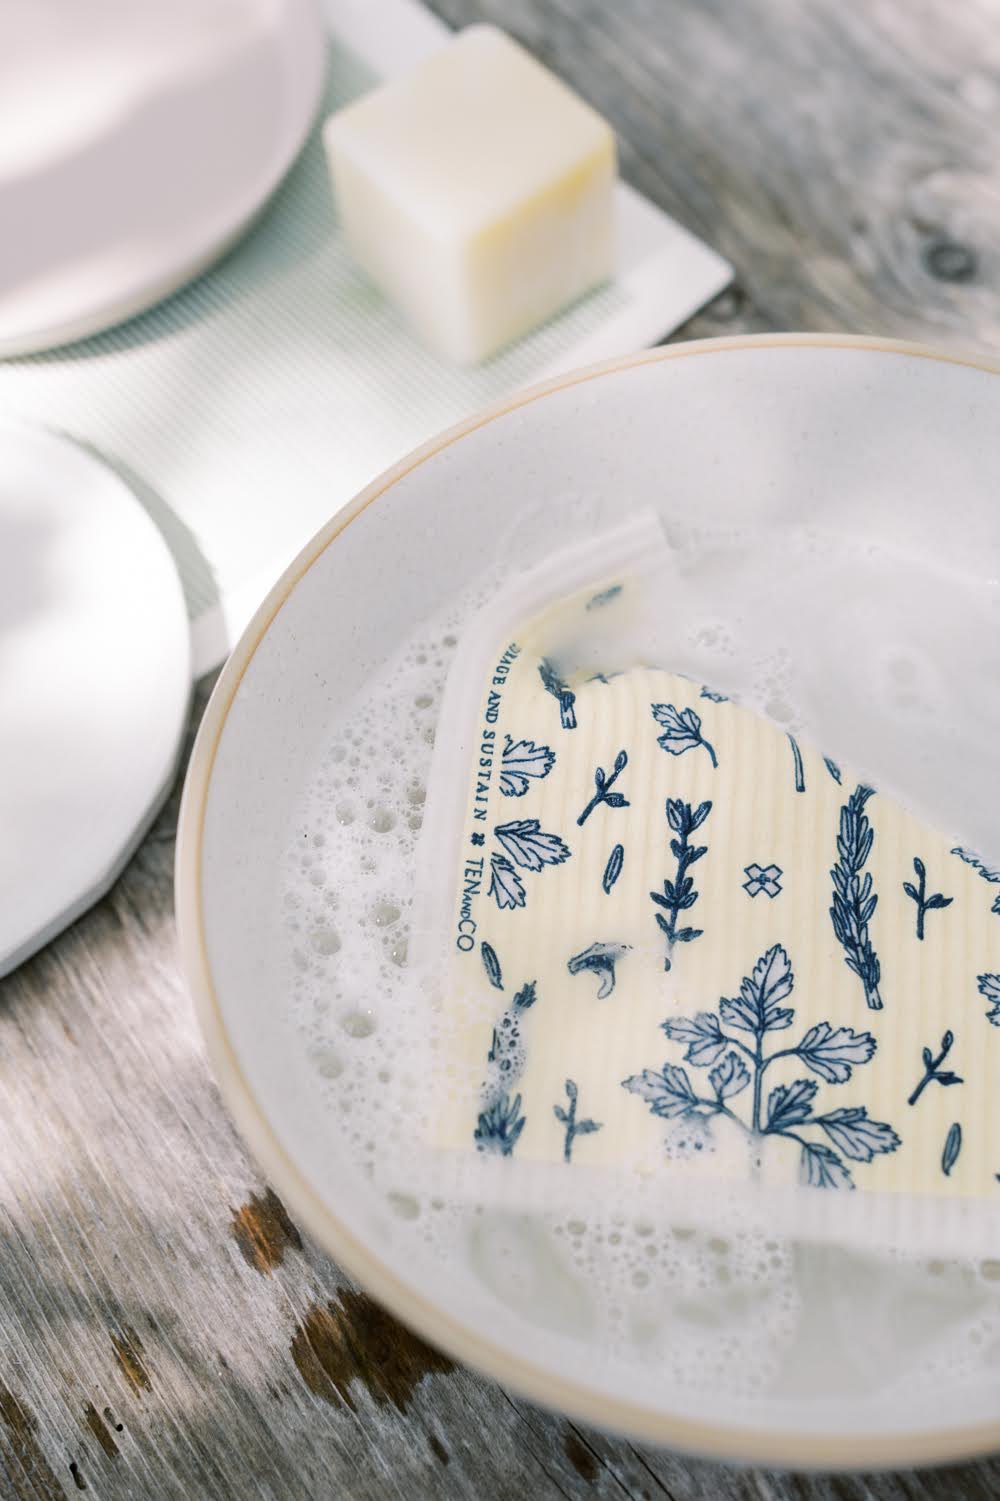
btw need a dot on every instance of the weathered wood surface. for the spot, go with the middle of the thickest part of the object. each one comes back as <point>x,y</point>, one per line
<point>164,1329</point>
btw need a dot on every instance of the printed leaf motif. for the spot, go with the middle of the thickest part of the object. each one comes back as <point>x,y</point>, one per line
<point>790,1104</point>
<point>989,986</point>
<point>669,1092</point>
<point>933,1072</point>
<point>528,846</point>
<point>613,869</point>
<point>522,760</point>
<point>757,1008</point>
<point>574,1127</point>
<point>952,1147</point>
<point>491,964</point>
<point>858,1137</point>
<point>730,1077</point>
<point>703,1036</point>
<point>820,1167</point>
<point>830,1053</point>
<point>681,730</point>
<point>832,768</point>
<point>506,886</point>
<point>500,1121</point>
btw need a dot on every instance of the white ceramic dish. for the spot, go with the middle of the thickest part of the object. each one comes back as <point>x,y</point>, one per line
<point>95,677</point>
<point>713,426</point>
<point>139,141</point>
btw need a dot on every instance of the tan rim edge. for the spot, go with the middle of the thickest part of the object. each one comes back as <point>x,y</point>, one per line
<point>798,1450</point>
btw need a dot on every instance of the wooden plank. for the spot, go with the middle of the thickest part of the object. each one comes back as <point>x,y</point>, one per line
<point>166,1330</point>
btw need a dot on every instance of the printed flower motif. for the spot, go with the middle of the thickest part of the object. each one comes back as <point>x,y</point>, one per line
<point>734,1066</point>
<point>681,731</point>
<point>766,878</point>
<point>520,761</point>
<point>601,959</point>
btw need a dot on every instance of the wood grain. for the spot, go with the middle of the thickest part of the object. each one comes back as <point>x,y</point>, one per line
<point>166,1330</point>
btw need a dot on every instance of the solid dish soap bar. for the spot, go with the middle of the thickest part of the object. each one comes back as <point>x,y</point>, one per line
<point>477,192</point>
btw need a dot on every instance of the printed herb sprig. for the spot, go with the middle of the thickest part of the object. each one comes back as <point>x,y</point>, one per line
<point>933,1073</point>
<point>832,768</point>
<point>602,788</point>
<point>681,731</point>
<point>679,894</point>
<point>500,1121</point>
<point>574,1127</point>
<point>561,691</point>
<point>919,895</point>
<point>736,1066</point>
<point>854,901</point>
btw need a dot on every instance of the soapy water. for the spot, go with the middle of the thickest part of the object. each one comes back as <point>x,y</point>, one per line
<point>741,1324</point>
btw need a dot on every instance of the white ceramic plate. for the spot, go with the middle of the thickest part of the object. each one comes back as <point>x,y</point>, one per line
<point>139,140</point>
<point>694,430</point>
<point>95,677</point>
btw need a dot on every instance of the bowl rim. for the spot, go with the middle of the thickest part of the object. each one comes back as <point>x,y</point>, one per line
<point>800,1450</point>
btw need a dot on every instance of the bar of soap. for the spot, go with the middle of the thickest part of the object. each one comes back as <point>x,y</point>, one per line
<point>476,192</point>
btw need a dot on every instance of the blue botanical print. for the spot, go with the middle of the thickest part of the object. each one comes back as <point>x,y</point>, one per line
<point>952,1147</point>
<point>604,677</point>
<point>613,869</point>
<point>601,958</point>
<point>736,1066</point>
<point>491,964</point>
<point>506,886</point>
<point>713,697</point>
<point>561,691</point>
<point>762,878</point>
<point>529,846</point>
<point>854,902</point>
<point>602,788</point>
<point>574,1128</point>
<point>604,597</point>
<point>520,761</point>
<point>989,873</point>
<point>933,1073</point>
<point>832,768</point>
<point>679,894</point>
<point>800,776</point>
<point>681,730</point>
<point>500,1121</point>
<point>525,844</point>
<point>989,986</point>
<point>919,895</point>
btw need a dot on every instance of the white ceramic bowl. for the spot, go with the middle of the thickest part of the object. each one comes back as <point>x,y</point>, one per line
<point>716,426</point>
